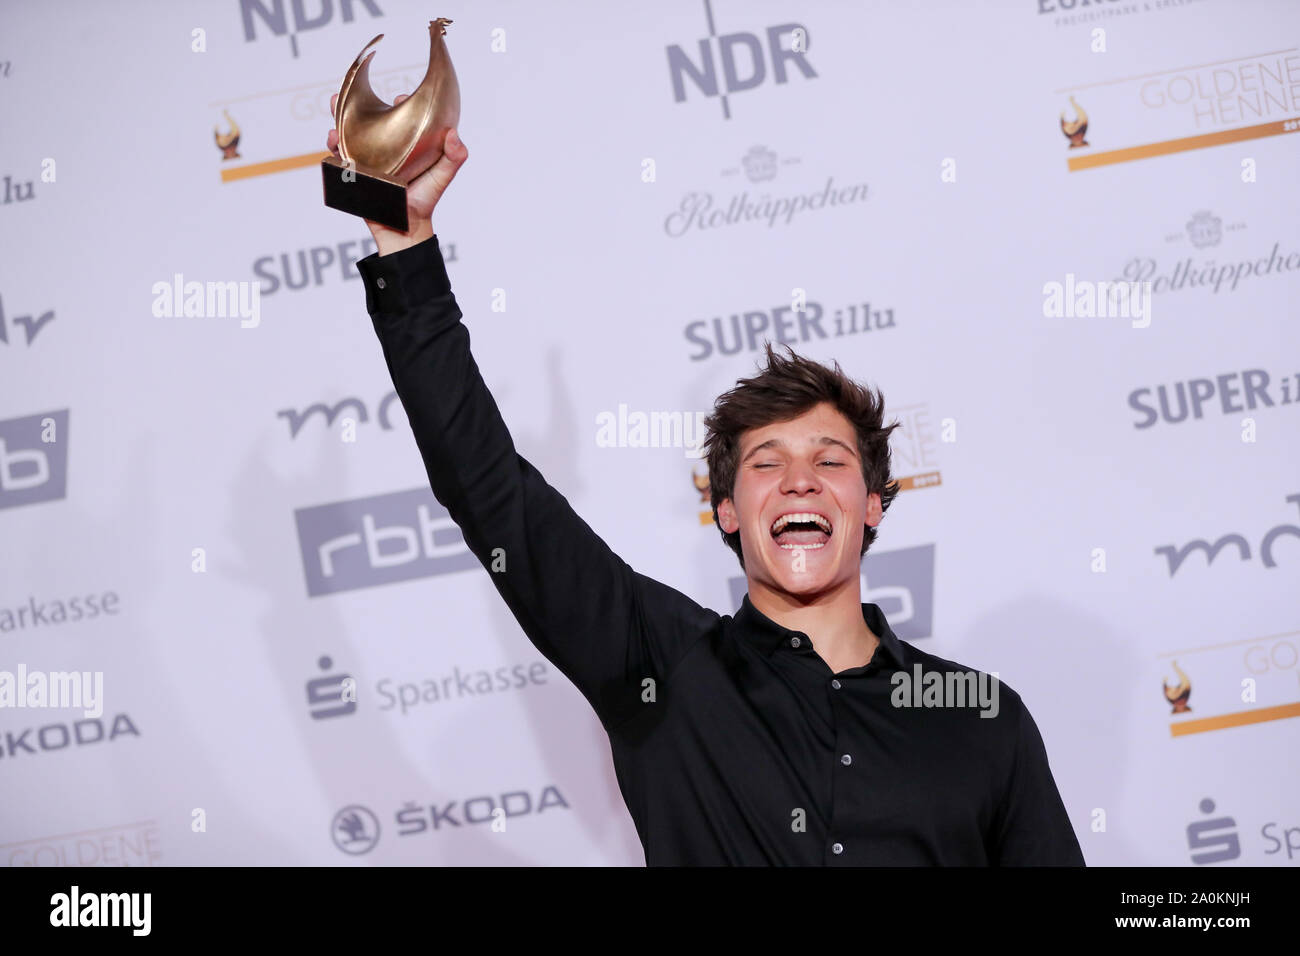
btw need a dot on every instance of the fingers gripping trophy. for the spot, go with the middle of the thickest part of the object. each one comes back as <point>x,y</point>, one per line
<point>391,164</point>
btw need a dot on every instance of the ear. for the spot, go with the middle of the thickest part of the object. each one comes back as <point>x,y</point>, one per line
<point>874,511</point>
<point>727,519</point>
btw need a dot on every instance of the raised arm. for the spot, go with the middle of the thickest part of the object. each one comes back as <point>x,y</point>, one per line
<point>605,626</point>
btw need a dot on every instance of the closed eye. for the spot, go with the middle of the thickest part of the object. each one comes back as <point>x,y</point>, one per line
<point>772,464</point>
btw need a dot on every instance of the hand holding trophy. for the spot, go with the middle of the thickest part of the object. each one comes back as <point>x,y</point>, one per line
<point>391,164</point>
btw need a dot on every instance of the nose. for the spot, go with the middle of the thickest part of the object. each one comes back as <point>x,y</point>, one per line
<point>800,478</point>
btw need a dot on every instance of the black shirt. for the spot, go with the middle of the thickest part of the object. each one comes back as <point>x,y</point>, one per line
<point>733,741</point>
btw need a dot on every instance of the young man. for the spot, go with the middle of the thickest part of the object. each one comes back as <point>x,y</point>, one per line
<point>774,736</point>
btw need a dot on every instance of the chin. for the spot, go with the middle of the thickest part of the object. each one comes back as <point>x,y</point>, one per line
<point>809,582</point>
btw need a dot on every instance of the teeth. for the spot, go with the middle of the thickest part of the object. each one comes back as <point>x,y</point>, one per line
<point>779,525</point>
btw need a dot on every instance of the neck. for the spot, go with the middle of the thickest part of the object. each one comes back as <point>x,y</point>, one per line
<point>833,620</point>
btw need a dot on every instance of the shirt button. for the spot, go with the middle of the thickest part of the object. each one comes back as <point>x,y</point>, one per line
<point>794,642</point>
<point>846,760</point>
<point>835,684</point>
<point>837,848</point>
<point>381,283</point>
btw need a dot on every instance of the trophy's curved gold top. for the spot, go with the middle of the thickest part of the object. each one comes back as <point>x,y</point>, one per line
<point>404,140</point>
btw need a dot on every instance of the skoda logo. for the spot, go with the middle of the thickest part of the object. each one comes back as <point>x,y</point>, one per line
<point>355,830</point>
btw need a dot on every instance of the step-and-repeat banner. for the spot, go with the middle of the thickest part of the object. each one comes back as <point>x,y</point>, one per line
<point>1060,235</point>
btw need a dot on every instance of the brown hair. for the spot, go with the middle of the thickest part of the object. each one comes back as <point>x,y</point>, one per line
<point>783,391</point>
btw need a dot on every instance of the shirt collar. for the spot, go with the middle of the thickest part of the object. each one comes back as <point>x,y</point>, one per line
<point>769,635</point>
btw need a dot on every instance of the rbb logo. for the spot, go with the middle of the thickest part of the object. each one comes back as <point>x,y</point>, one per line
<point>273,14</point>
<point>33,459</point>
<point>704,74</point>
<point>369,541</point>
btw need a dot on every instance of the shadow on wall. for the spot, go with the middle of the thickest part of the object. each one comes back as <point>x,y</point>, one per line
<point>554,454</point>
<point>1077,676</point>
<point>361,754</point>
<point>339,761</point>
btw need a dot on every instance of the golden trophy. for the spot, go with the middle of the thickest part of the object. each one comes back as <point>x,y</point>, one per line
<point>381,147</point>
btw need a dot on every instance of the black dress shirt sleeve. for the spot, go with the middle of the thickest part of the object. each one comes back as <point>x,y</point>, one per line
<point>1032,826</point>
<point>605,626</point>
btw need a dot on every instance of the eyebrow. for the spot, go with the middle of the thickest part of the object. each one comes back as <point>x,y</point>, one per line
<point>778,443</point>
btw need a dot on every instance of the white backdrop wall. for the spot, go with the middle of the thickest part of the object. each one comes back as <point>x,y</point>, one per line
<point>621,217</point>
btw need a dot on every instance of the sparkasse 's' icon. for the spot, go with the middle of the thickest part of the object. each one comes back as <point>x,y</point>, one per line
<point>1215,838</point>
<point>334,695</point>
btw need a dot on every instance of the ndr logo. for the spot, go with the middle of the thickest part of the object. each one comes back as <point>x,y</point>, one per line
<point>900,581</point>
<point>704,74</point>
<point>273,14</point>
<point>369,541</point>
<point>33,459</point>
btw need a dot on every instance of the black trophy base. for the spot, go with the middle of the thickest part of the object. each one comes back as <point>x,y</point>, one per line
<point>367,195</point>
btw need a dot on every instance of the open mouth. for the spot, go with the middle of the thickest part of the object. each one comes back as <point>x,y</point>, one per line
<point>803,530</point>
